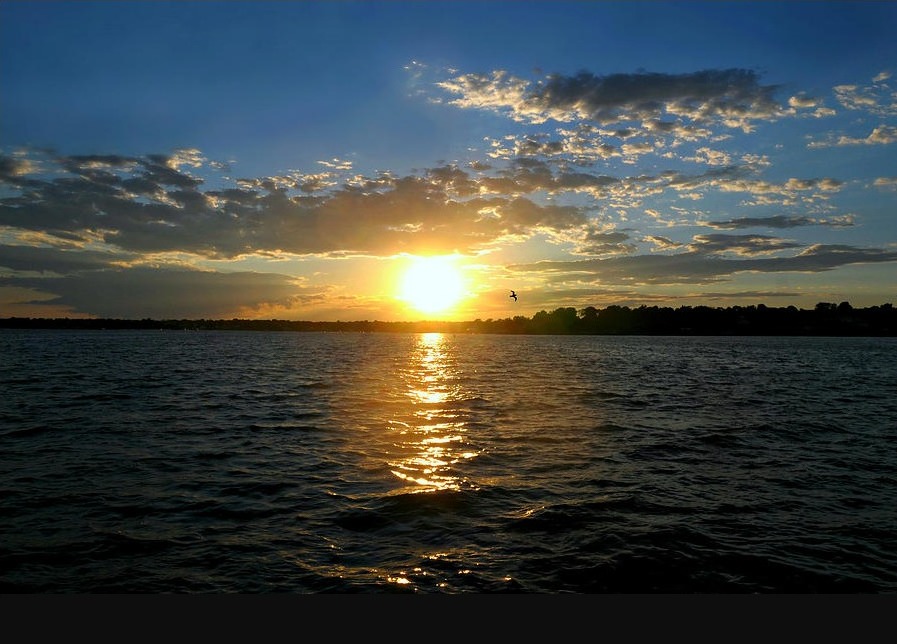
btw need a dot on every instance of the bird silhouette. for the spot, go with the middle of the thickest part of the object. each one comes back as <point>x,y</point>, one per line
<point>514,295</point>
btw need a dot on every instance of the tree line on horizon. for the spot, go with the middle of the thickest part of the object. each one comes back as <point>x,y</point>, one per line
<point>825,318</point>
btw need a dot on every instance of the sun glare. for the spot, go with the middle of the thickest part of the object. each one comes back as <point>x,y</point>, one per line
<point>432,284</point>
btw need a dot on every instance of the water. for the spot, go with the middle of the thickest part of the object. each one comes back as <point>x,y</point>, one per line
<point>257,462</point>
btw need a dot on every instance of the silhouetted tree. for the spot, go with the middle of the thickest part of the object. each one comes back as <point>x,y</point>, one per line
<point>825,319</point>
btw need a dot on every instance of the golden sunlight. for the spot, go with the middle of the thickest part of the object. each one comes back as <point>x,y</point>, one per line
<point>432,284</point>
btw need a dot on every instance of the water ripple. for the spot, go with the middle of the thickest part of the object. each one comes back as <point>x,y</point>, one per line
<point>243,462</point>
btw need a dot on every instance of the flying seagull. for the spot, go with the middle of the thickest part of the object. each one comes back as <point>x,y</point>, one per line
<point>514,295</point>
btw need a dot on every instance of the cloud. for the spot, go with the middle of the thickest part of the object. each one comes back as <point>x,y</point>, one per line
<point>594,166</point>
<point>703,264</point>
<point>740,244</point>
<point>778,221</point>
<point>711,157</point>
<point>661,243</point>
<point>596,242</point>
<point>55,261</point>
<point>622,116</point>
<point>146,205</point>
<point>881,135</point>
<point>164,293</point>
<point>877,99</point>
<point>732,97</point>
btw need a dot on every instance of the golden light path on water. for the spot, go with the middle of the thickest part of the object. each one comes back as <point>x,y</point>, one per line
<point>432,439</point>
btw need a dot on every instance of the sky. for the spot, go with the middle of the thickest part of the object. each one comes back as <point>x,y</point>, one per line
<point>393,161</point>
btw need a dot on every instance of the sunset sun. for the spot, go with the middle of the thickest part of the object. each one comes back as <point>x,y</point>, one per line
<point>431,284</point>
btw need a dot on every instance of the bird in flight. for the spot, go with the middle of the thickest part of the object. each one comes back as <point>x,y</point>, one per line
<point>514,295</point>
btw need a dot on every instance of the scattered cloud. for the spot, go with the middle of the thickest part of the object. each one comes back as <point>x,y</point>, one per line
<point>601,168</point>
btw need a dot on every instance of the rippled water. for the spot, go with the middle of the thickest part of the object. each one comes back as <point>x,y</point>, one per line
<point>256,462</point>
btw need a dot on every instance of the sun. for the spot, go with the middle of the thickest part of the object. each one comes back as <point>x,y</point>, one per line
<point>432,284</point>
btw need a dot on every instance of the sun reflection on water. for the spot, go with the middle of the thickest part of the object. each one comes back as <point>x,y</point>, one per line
<point>431,440</point>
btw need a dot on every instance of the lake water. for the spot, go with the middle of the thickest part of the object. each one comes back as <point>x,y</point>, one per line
<point>272,462</point>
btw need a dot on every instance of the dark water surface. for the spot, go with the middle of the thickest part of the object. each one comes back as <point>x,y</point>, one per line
<point>265,462</point>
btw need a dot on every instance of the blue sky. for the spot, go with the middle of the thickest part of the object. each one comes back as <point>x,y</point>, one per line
<point>290,160</point>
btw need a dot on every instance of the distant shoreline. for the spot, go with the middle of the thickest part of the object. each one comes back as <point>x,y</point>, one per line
<point>826,319</point>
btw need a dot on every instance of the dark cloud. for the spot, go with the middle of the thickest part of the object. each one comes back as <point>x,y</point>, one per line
<point>160,209</point>
<point>64,261</point>
<point>731,97</point>
<point>708,94</point>
<point>699,267</point>
<point>741,244</point>
<point>779,221</point>
<point>604,243</point>
<point>163,293</point>
<point>148,205</point>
